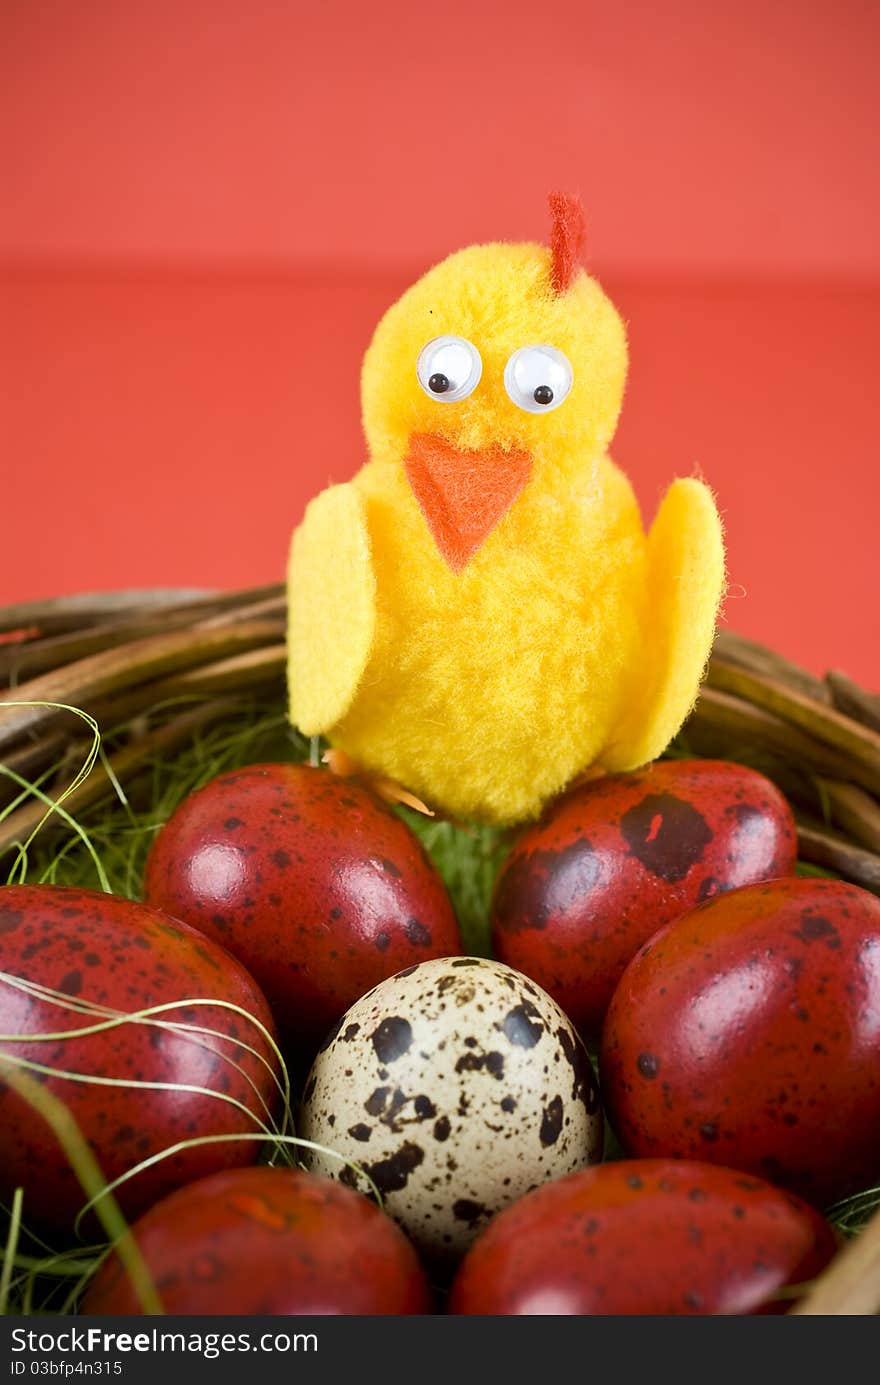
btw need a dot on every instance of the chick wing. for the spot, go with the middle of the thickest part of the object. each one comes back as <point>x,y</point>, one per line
<point>686,583</point>
<point>331,609</point>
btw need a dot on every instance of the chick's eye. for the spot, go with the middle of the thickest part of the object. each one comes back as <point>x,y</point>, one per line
<point>538,378</point>
<point>449,368</point>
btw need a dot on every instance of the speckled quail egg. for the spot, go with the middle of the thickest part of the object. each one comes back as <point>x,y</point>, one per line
<point>458,1085</point>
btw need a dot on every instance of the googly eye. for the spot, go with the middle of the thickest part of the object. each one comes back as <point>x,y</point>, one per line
<point>538,378</point>
<point>449,369</point>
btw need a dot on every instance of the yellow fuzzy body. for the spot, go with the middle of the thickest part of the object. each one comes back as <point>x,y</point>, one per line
<point>570,639</point>
<point>487,691</point>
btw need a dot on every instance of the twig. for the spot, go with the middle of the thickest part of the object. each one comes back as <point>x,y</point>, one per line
<point>736,649</point>
<point>86,681</point>
<point>830,727</point>
<point>854,701</point>
<point>836,853</point>
<point>855,811</point>
<point>722,719</point>
<point>80,611</point>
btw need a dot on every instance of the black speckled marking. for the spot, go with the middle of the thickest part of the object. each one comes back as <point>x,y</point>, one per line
<point>816,928</point>
<point>666,834</point>
<point>381,941</point>
<point>375,1102</point>
<point>10,919</point>
<point>71,984</point>
<point>393,1109</point>
<point>232,824</point>
<point>584,1087</point>
<point>392,1039</point>
<point>508,1103</point>
<point>475,1062</point>
<point>281,858</point>
<point>391,1175</point>
<point>442,1128</point>
<point>522,1026</point>
<point>417,933</point>
<point>349,1033</point>
<point>524,899</point>
<point>360,1132</point>
<point>466,1210</point>
<point>551,1122</point>
<point>648,1064</point>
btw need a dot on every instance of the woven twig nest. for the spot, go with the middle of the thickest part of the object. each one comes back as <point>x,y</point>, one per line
<point>156,669</point>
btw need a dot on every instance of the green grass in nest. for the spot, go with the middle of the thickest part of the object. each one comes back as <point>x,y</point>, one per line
<point>107,847</point>
<point>121,830</point>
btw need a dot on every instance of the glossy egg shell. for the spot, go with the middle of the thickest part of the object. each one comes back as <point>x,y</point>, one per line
<point>111,952</point>
<point>316,886</point>
<point>457,1085</point>
<point>268,1241</point>
<point>616,859</point>
<point>652,1236</point>
<point>748,1033</point>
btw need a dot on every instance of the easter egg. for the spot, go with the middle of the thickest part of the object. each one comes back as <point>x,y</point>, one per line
<point>313,883</point>
<point>457,1085</point>
<point>645,1237</point>
<point>267,1241</point>
<point>747,1033</point>
<point>617,858</point>
<point>200,1063</point>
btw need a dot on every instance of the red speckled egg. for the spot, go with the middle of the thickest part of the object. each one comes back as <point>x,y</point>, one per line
<point>107,952</point>
<point>748,1033</point>
<point>317,887</point>
<point>614,860</point>
<point>647,1236</point>
<point>268,1241</point>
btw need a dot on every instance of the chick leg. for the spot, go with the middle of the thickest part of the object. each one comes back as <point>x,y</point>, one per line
<point>341,764</point>
<point>685,577</point>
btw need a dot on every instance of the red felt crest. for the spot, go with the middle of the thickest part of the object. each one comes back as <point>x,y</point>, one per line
<point>567,236</point>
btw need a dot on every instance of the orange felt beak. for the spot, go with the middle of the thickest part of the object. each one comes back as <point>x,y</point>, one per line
<point>463,494</point>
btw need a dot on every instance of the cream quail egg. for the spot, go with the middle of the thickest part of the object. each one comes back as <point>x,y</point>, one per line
<point>458,1085</point>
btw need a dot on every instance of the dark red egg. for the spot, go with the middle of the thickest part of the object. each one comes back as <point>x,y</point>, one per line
<point>616,859</point>
<point>268,1241</point>
<point>645,1237</point>
<point>748,1033</point>
<point>318,888</point>
<point>110,958</point>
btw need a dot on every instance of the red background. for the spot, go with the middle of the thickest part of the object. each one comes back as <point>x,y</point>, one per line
<point>206,207</point>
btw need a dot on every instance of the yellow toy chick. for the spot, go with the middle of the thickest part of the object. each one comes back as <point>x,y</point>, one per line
<point>479,615</point>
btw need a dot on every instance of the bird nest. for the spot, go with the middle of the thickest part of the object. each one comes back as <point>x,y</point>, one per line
<point>117,705</point>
